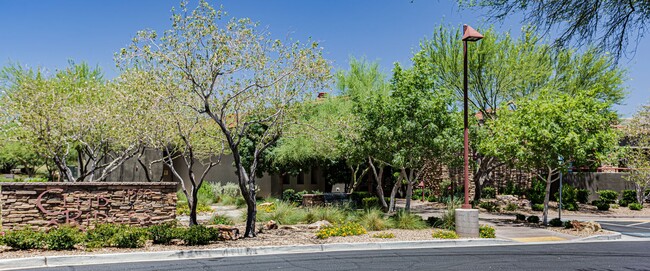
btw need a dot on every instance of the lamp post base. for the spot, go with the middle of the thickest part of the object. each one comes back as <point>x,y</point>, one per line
<point>467,223</point>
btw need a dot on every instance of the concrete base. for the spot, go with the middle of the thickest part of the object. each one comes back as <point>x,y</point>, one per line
<point>467,223</point>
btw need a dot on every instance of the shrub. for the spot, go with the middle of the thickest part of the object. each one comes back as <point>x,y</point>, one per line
<point>130,237</point>
<point>601,205</point>
<point>448,220</point>
<point>511,207</point>
<point>489,206</point>
<point>163,233</point>
<point>538,207</point>
<point>635,206</point>
<point>434,221</point>
<point>384,235</point>
<point>444,234</point>
<point>231,190</point>
<point>373,219</point>
<point>408,221</point>
<point>608,196</point>
<point>533,219</point>
<point>623,203</point>
<point>569,198</point>
<point>371,202</point>
<point>221,220</point>
<point>488,192</point>
<point>582,195</point>
<point>628,196</point>
<point>568,225</point>
<point>486,231</point>
<point>206,194</point>
<point>101,235</point>
<point>536,192</point>
<point>512,189</point>
<point>289,195</point>
<point>285,213</point>
<point>555,222</point>
<point>63,238</point>
<point>331,214</point>
<point>24,239</point>
<point>345,229</point>
<point>198,235</point>
<point>520,217</point>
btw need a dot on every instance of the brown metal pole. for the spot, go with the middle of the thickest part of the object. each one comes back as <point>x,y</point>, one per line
<point>466,205</point>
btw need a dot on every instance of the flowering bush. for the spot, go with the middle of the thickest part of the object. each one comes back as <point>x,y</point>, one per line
<point>384,235</point>
<point>345,229</point>
<point>486,231</point>
<point>444,234</point>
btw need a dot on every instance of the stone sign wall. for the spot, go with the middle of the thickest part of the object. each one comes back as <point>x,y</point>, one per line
<point>43,205</point>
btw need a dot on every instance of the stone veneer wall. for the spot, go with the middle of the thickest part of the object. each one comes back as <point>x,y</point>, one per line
<point>43,205</point>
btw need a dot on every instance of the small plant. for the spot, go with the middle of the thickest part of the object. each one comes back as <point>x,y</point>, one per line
<point>285,213</point>
<point>568,224</point>
<point>533,219</point>
<point>448,219</point>
<point>569,198</point>
<point>511,207</point>
<point>130,237</point>
<point>444,234</point>
<point>623,203</point>
<point>221,220</point>
<point>628,196</point>
<point>24,239</point>
<point>63,238</point>
<point>198,235</point>
<point>536,192</point>
<point>331,214</point>
<point>408,221</point>
<point>486,231</point>
<point>373,220</point>
<point>163,233</point>
<point>538,207</point>
<point>370,203</point>
<point>489,206</point>
<point>555,222</point>
<point>240,202</point>
<point>602,205</point>
<point>183,209</point>
<point>383,235</point>
<point>520,217</point>
<point>608,196</point>
<point>488,192</point>
<point>434,221</point>
<point>635,206</point>
<point>582,195</point>
<point>101,235</point>
<point>345,229</point>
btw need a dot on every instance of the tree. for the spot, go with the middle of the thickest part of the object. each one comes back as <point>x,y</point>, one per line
<point>612,24</point>
<point>637,133</point>
<point>503,69</point>
<point>551,130</point>
<point>14,153</point>
<point>240,75</point>
<point>70,116</point>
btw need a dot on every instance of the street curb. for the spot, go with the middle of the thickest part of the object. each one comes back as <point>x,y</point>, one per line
<point>611,236</point>
<point>51,261</point>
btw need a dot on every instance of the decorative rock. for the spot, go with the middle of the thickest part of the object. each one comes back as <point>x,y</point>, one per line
<point>271,225</point>
<point>319,224</point>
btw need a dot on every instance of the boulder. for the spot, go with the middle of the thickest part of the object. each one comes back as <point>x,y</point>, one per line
<point>319,224</point>
<point>271,225</point>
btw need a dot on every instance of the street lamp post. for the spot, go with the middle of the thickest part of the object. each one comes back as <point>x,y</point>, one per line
<point>469,34</point>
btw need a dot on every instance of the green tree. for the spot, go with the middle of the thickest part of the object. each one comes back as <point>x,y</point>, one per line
<point>637,133</point>
<point>240,76</point>
<point>549,131</point>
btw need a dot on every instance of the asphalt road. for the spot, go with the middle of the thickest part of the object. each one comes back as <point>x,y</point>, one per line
<point>631,255</point>
<point>631,228</point>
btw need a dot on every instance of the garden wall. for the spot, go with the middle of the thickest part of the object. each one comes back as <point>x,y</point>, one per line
<point>42,205</point>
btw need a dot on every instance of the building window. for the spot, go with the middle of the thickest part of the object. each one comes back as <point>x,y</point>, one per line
<point>301,178</point>
<point>286,178</point>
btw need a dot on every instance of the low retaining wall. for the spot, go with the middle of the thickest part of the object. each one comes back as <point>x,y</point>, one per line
<point>43,205</point>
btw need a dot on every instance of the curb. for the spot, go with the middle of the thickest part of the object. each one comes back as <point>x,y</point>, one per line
<point>51,261</point>
<point>611,236</point>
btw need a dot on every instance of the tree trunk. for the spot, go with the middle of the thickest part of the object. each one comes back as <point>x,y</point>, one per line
<point>547,196</point>
<point>193,202</point>
<point>379,178</point>
<point>393,192</point>
<point>251,208</point>
<point>409,189</point>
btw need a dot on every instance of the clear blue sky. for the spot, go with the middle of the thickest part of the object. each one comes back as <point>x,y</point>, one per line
<point>49,33</point>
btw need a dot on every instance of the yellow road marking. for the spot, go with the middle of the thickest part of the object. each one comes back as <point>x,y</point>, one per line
<point>539,239</point>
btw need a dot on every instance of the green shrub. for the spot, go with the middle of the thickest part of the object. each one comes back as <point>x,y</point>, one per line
<point>206,194</point>
<point>601,205</point>
<point>183,209</point>
<point>373,219</point>
<point>536,192</point>
<point>163,233</point>
<point>486,231</point>
<point>370,203</point>
<point>101,235</point>
<point>448,219</point>
<point>520,217</point>
<point>198,235</point>
<point>24,239</point>
<point>285,213</point>
<point>568,224</point>
<point>240,202</point>
<point>231,190</point>
<point>345,229</point>
<point>635,206</point>
<point>512,189</point>
<point>218,219</point>
<point>538,207</point>
<point>130,237</point>
<point>444,234</point>
<point>289,195</point>
<point>533,219</point>
<point>623,203</point>
<point>63,238</point>
<point>608,196</point>
<point>331,214</point>
<point>555,222</point>
<point>582,195</point>
<point>569,198</point>
<point>408,221</point>
<point>628,196</point>
<point>488,192</point>
<point>489,206</point>
<point>383,235</point>
<point>512,207</point>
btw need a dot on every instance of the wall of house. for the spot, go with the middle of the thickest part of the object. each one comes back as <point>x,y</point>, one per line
<point>43,205</point>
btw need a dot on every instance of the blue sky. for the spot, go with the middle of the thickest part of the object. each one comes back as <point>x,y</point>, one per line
<point>48,34</point>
